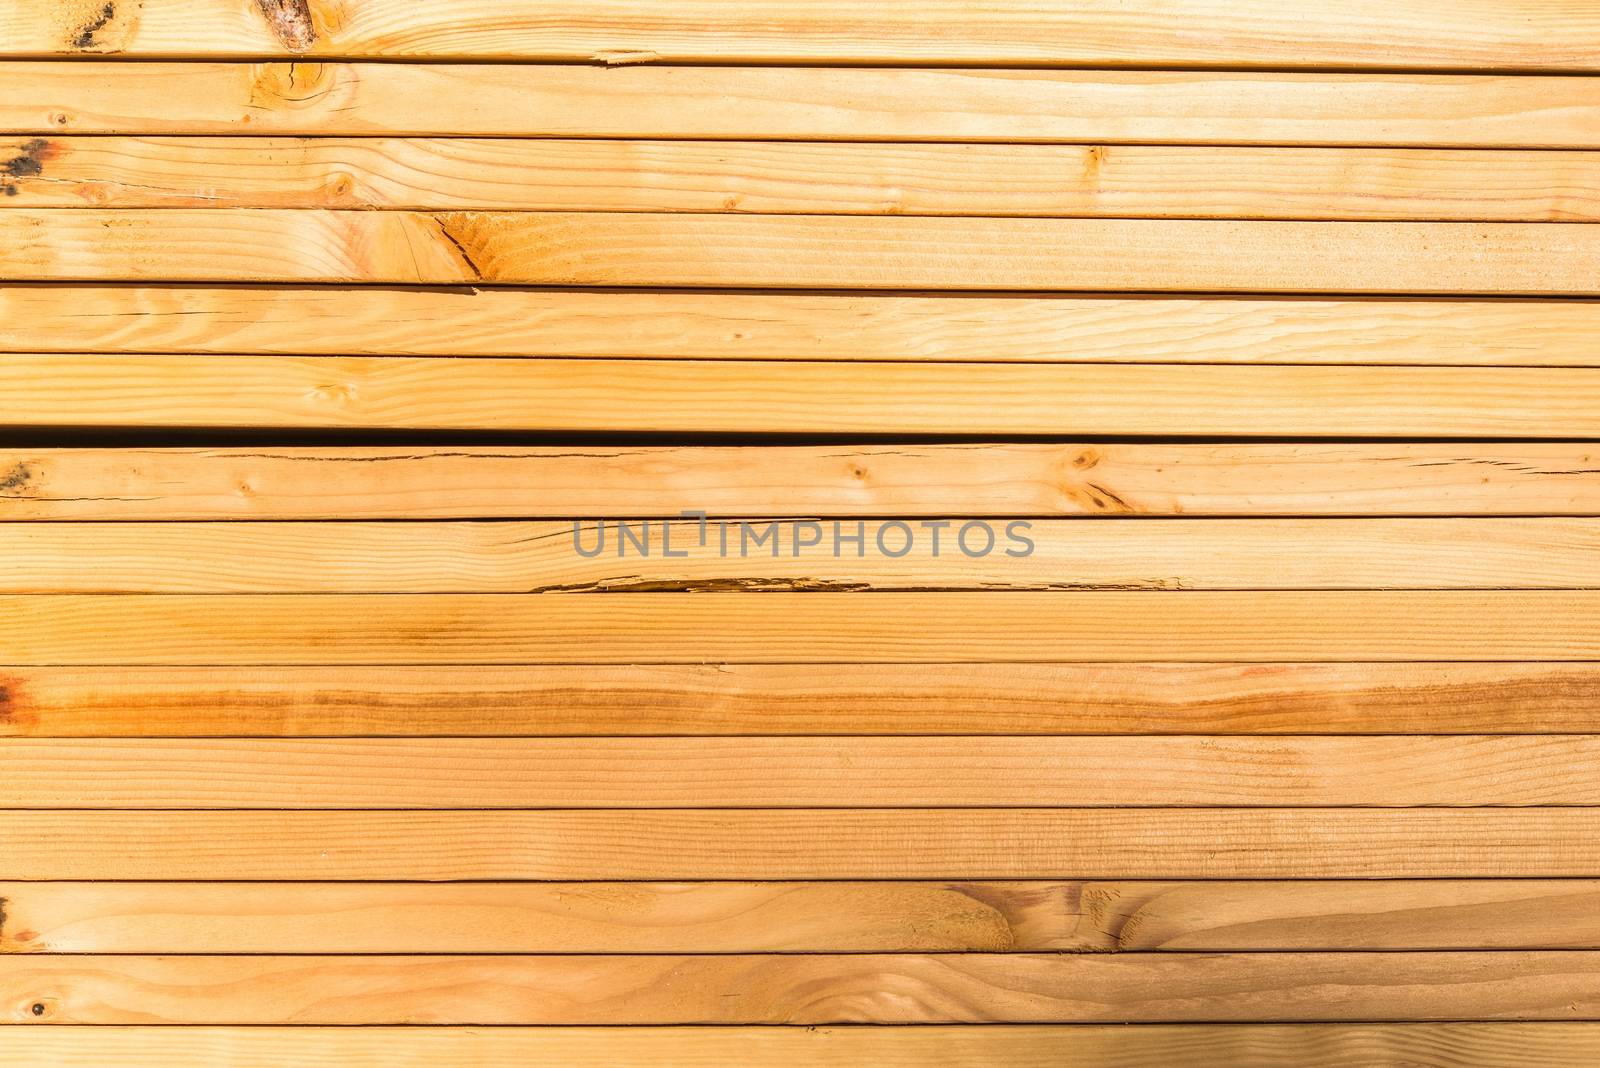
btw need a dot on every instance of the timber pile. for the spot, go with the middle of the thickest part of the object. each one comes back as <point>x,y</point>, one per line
<point>335,336</point>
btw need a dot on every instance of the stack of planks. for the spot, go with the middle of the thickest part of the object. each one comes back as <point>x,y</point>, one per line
<point>336,332</point>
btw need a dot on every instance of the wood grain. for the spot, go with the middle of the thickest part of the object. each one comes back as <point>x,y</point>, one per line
<point>876,917</point>
<point>792,397</point>
<point>954,988</point>
<point>775,699</point>
<point>538,557</point>
<point>796,252</point>
<point>954,772</point>
<point>757,844</point>
<point>1008,480</point>
<point>1483,34</point>
<point>1338,915</point>
<point>551,917</point>
<point>631,628</point>
<point>799,103</point>
<point>300,743</point>
<point>1513,1045</point>
<point>781,326</point>
<point>803,178</point>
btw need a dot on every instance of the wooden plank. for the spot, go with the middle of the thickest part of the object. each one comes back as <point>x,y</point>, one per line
<point>736,396</point>
<point>630,628</point>
<point>802,989</point>
<point>776,103</point>
<point>797,251</point>
<point>548,917</point>
<point>802,178</point>
<point>1337,915</point>
<point>1511,1045</point>
<point>538,557</point>
<point>1254,33</point>
<point>954,772</point>
<point>782,326</point>
<point>830,699</point>
<point>830,917</point>
<point>760,844</point>
<point>1009,480</point>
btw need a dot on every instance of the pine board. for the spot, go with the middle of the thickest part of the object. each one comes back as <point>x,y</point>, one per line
<point>1511,1045</point>
<point>799,103</point>
<point>644,249</point>
<point>804,990</point>
<point>689,324</point>
<point>513,556</point>
<point>813,699</point>
<point>760,844</point>
<point>793,397</point>
<point>833,481</point>
<point>803,178</point>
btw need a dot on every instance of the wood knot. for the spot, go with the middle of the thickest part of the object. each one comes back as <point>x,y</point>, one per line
<point>279,84</point>
<point>27,163</point>
<point>290,21</point>
<point>334,394</point>
<point>12,713</point>
<point>84,38</point>
<point>18,478</point>
<point>1094,157</point>
<point>341,189</point>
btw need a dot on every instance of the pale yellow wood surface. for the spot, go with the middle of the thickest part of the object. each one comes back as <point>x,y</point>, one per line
<point>1072,916</point>
<point>803,178</point>
<point>775,699</point>
<point>1511,1045</point>
<point>737,396</point>
<point>797,252</point>
<point>1010,480</point>
<point>538,557</point>
<point>630,628</point>
<point>643,773</point>
<point>812,326</point>
<point>1493,34</point>
<point>800,103</point>
<point>802,989</point>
